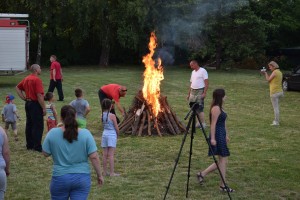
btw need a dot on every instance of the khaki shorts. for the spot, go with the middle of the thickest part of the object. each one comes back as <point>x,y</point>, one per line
<point>195,97</point>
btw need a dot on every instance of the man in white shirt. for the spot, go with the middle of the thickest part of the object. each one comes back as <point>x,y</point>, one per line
<point>198,89</point>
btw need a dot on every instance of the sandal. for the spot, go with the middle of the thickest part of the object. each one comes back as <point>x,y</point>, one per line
<point>226,189</point>
<point>200,178</point>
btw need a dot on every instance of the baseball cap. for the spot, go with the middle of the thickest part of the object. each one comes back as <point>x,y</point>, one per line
<point>9,98</point>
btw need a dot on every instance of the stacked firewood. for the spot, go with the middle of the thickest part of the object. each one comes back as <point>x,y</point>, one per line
<point>140,121</point>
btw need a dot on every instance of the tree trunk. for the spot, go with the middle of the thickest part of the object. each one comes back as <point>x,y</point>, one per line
<point>39,48</point>
<point>105,49</point>
<point>218,54</point>
<point>40,24</point>
<point>219,36</point>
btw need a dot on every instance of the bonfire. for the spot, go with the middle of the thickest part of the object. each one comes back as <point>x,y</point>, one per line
<point>150,113</point>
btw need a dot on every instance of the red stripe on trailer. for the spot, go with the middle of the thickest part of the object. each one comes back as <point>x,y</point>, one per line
<point>10,23</point>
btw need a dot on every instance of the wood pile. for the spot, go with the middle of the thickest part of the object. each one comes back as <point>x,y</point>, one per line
<point>140,121</point>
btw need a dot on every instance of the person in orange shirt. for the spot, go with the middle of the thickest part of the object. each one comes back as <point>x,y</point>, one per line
<point>113,92</point>
<point>31,90</point>
<point>56,78</point>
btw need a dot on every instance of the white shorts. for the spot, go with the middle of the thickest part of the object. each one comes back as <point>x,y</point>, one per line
<point>109,141</point>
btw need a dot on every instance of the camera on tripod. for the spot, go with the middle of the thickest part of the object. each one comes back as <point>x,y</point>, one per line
<point>196,106</point>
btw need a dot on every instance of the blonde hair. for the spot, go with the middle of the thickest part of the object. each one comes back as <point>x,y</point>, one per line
<point>274,64</point>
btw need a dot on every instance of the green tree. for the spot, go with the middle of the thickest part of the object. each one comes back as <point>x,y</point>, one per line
<point>284,16</point>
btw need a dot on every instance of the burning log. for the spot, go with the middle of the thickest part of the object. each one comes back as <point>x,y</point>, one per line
<point>140,120</point>
<point>150,113</point>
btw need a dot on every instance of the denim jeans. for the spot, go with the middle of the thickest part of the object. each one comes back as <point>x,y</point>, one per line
<point>2,183</point>
<point>73,186</point>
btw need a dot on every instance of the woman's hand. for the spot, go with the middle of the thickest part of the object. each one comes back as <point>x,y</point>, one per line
<point>227,139</point>
<point>100,180</point>
<point>213,142</point>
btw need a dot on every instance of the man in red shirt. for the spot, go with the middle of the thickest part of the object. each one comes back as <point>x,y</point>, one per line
<point>31,90</point>
<point>56,78</point>
<point>113,92</point>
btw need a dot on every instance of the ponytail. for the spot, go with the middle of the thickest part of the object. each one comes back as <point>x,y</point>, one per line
<point>106,105</point>
<point>68,115</point>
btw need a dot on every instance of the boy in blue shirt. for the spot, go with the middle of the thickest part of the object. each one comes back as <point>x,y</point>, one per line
<point>9,115</point>
<point>82,108</point>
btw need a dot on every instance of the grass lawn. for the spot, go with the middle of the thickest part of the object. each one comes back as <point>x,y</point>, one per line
<point>264,161</point>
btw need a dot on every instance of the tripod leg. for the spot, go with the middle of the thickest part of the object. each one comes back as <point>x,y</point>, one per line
<point>191,152</point>
<point>215,160</point>
<point>178,156</point>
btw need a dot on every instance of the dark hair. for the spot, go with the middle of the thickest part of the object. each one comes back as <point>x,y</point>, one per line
<point>78,92</point>
<point>68,115</point>
<point>48,96</point>
<point>195,62</point>
<point>106,105</point>
<point>53,56</point>
<point>218,95</point>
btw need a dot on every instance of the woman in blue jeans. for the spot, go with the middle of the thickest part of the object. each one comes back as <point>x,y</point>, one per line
<point>70,148</point>
<point>4,162</point>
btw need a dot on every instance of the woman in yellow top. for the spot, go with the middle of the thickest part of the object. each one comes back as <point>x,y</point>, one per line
<point>275,82</point>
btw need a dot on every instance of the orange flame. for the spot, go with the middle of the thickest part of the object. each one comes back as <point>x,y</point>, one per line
<point>152,77</point>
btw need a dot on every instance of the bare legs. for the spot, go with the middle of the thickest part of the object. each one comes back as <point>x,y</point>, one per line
<point>222,165</point>
<point>201,116</point>
<point>108,156</point>
<point>15,133</point>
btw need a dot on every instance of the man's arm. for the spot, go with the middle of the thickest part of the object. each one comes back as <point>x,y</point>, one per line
<point>120,108</point>
<point>20,93</point>
<point>41,102</point>
<point>54,74</point>
<point>61,74</point>
<point>205,89</point>
<point>188,96</point>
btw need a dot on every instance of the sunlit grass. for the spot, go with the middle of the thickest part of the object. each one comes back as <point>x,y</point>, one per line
<point>264,161</point>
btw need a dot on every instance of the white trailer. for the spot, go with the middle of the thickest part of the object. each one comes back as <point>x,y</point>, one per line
<point>14,43</point>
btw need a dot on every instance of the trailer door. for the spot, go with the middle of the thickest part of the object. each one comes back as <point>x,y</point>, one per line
<point>13,48</point>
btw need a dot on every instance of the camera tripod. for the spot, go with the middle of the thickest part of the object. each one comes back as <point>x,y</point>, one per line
<point>192,121</point>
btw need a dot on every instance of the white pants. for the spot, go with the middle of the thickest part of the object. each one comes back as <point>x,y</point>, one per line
<point>275,102</point>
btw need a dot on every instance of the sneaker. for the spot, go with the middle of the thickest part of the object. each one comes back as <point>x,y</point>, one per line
<point>199,126</point>
<point>274,123</point>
